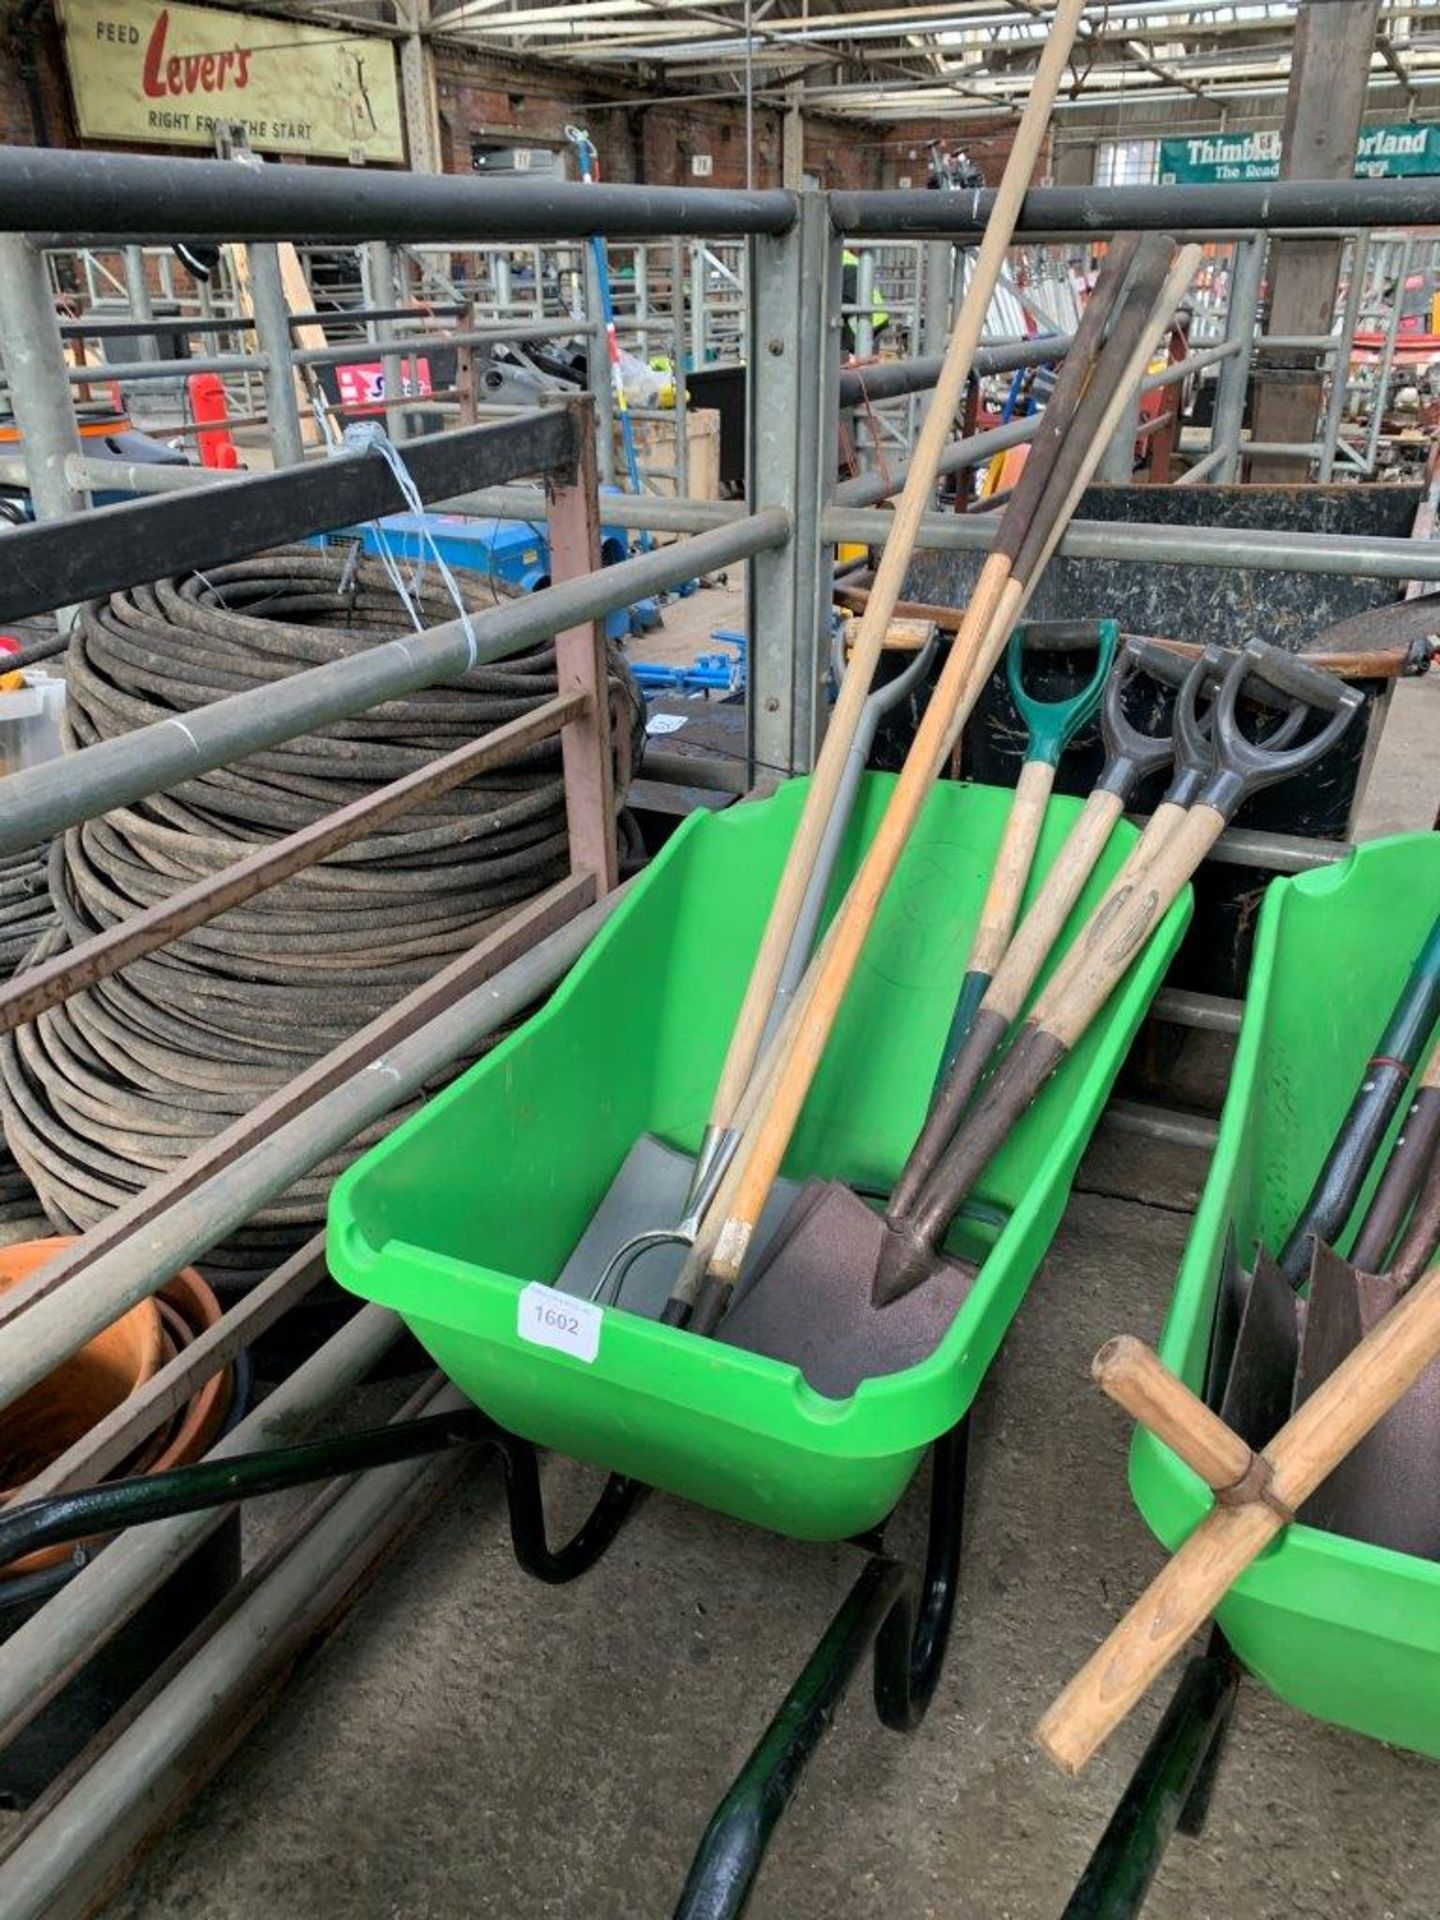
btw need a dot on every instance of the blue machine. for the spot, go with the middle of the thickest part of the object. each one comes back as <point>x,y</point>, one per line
<point>511,553</point>
<point>708,673</point>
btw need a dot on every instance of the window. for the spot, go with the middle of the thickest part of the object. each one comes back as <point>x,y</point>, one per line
<point>1127,163</point>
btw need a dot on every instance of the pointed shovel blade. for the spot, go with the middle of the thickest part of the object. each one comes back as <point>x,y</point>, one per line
<point>1387,1489</point>
<point>809,1300</point>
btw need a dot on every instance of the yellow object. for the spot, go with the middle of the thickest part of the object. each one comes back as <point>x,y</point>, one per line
<point>850,550</point>
<point>12,682</point>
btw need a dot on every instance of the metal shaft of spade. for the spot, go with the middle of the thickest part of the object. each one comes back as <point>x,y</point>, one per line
<point>1414,1150</point>
<point>1382,1085</point>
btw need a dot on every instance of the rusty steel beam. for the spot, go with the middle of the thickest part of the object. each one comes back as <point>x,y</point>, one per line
<point>47,985</point>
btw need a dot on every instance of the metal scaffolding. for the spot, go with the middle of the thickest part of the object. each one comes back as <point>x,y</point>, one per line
<point>784,531</point>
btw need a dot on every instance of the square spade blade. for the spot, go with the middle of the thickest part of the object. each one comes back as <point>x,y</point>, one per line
<point>809,1303</point>
<point>1387,1489</point>
<point>1258,1392</point>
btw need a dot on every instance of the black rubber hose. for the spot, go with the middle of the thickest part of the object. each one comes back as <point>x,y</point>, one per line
<point>113,1088</point>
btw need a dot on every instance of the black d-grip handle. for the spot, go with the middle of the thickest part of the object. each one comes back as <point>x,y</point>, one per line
<point>1289,674</point>
<point>1162,662</point>
<point>1243,766</point>
<point>1130,754</point>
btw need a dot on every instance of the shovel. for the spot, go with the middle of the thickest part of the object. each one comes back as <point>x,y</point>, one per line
<point>915,498</point>
<point>635,1261</point>
<point>1257,1495</point>
<point>1050,727</point>
<point>845,1253</point>
<point>777,941</point>
<point>1255,1344</point>
<point>1386,1492</point>
<point>1130,757</point>
<point>1082,411</point>
<point>1054,477</point>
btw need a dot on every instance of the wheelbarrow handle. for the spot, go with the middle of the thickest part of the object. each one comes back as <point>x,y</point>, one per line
<point>1053,724</point>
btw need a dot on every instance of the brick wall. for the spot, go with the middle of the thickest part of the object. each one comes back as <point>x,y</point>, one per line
<point>482,97</point>
<point>905,148</point>
<point>17,121</point>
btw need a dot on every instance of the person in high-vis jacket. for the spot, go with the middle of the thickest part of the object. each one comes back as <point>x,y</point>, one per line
<point>849,297</point>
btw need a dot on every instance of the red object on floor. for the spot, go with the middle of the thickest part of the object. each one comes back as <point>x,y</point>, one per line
<point>208,403</point>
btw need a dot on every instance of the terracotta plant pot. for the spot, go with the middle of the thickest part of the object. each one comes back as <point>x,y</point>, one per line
<point>54,1414</point>
<point>76,1396</point>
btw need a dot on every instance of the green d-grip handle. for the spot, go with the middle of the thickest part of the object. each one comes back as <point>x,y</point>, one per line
<point>1053,724</point>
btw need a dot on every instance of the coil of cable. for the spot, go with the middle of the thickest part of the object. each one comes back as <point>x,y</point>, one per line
<point>25,915</point>
<point>114,1087</point>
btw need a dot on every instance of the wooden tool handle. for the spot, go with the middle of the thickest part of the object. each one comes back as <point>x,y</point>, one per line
<point>1053,904</point>
<point>989,618</point>
<point>1340,1412</point>
<point>1136,1379</point>
<point>895,561</point>
<point>1120,926</point>
<point>1142,268</point>
<point>1121,400</point>
<point>1001,905</point>
<point>1071,383</point>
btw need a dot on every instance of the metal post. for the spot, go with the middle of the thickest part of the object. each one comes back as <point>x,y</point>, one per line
<point>1340,359</point>
<point>863,322</point>
<point>1117,463</point>
<point>793,354</point>
<point>938,277</point>
<point>1247,268</point>
<point>34,357</point>
<point>597,364</point>
<point>272,332</point>
<point>138,288</point>
<point>1387,354</point>
<point>377,278</point>
<point>677,363</point>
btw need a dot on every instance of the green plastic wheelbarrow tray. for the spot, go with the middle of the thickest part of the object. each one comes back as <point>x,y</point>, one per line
<point>491,1184</point>
<point>1343,1630</point>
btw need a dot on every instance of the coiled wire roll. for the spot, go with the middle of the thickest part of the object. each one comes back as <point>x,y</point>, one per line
<point>25,914</point>
<point>111,1089</point>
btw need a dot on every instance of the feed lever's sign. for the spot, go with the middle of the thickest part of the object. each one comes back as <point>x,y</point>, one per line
<point>170,75</point>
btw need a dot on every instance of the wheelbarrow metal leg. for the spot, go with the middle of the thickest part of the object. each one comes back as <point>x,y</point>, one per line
<point>1171,1787</point>
<point>910,1633</point>
<point>723,1873</point>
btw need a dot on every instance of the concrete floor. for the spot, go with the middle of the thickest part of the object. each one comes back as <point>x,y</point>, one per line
<point>472,1745</point>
